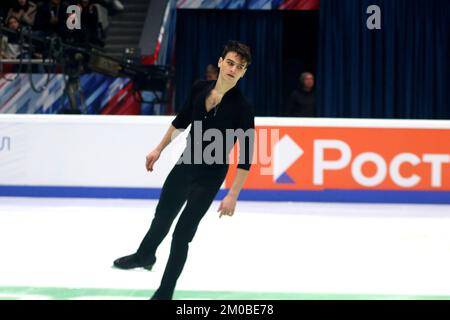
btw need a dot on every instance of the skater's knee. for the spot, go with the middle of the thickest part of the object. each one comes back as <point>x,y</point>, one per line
<point>181,239</point>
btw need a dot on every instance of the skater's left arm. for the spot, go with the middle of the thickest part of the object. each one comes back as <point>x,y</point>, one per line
<point>228,204</point>
<point>246,141</point>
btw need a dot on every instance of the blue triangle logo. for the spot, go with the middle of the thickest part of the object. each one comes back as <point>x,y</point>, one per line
<point>284,178</point>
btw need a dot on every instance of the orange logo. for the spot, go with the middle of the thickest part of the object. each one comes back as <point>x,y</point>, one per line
<point>319,158</point>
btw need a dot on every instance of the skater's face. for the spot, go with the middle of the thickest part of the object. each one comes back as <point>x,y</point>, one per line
<point>232,67</point>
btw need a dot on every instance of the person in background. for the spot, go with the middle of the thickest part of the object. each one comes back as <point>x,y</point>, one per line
<point>4,8</point>
<point>9,46</point>
<point>24,11</point>
<point>302,101</point>
<point>211,72</point>
<point>51,18</point>
<point>89,24</point>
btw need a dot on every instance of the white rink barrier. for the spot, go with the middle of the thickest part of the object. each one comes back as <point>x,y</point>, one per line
<point>296,159</point>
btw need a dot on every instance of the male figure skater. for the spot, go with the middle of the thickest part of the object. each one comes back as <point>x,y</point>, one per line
<point>215,104</point>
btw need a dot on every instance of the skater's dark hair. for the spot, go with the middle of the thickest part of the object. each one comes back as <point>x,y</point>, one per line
<point>240,48</point>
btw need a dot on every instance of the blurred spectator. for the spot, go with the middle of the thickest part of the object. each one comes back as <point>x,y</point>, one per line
<point>51,18</point>
<point>4,8</point>
<point>90,33</point>
<point>212,72</point>
<point>302,102</point>
<point>24,11</point>
<point>89,22</point>
<point>3,11</point>
<point>9,47</point>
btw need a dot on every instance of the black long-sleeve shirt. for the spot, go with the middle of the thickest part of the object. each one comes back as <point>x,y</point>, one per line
<point>233,112</point>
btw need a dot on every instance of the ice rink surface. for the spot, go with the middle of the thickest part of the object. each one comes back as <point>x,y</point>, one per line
<point>61,248</point>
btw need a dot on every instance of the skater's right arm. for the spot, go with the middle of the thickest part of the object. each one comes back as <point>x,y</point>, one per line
<point>181,122</point>
<point>154,155</point>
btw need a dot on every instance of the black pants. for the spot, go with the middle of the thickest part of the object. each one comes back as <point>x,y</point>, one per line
<point>185,183</point>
